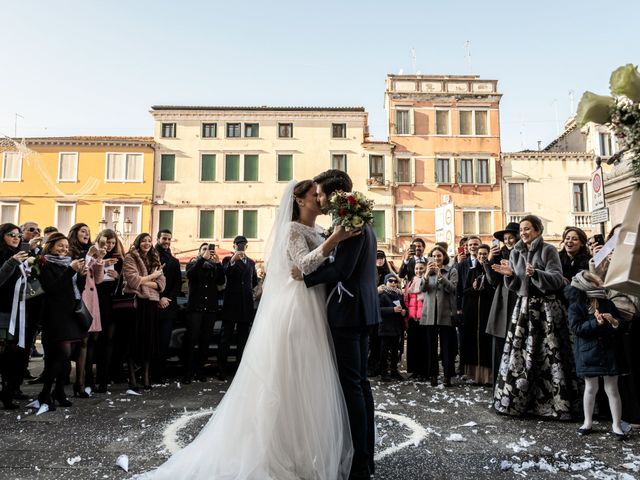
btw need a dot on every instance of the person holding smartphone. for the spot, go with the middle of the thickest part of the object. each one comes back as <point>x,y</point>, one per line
<point>206,283</point>
<point>574,254</point>
<point>411,255</point>
<point>238,311</point>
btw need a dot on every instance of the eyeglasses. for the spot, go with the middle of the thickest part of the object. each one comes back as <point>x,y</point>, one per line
<point>14,235</point>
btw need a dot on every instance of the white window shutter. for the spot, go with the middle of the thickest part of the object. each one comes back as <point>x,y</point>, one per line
<point>412,124</point>
<point>492,170</point>
<point>412,164</point>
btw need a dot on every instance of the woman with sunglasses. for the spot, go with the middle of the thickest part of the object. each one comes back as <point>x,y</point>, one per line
<point>392,314</point>
<point>12,284</point>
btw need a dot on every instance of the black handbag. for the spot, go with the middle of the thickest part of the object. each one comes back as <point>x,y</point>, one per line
<point>34,289</point>
<point>84,317</point>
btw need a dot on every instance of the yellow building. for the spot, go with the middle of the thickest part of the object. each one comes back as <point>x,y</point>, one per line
<point>100,181</point>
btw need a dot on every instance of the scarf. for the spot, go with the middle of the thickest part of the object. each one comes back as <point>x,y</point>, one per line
<point>391,290</point>
<point>416,287</point>
<point>18,306</point>
<point>65,262</point>
<point>591,285</point>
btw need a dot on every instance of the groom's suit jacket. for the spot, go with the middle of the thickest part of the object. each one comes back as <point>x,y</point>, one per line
<point>355,269</point>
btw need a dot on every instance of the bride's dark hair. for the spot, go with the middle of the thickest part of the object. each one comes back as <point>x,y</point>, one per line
<point>299,191</point>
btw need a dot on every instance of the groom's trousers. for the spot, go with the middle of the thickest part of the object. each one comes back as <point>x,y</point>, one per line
<point>352,348</point>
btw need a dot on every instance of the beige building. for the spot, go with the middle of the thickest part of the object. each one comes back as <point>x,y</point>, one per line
<point>220,171</point>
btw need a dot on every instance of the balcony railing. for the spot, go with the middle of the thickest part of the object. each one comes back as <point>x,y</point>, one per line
<point>581,220</point>
<point>516,216</point>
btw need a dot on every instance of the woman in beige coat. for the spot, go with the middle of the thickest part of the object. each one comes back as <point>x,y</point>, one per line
<point>143,277</point>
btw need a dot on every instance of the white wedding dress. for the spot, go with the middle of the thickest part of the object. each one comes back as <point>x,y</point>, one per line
<point>284,415</point>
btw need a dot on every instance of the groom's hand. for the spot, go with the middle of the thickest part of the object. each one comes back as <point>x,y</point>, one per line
<point>296,274</point>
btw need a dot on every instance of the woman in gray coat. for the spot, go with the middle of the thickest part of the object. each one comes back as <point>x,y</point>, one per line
<point>437,315</point>
<point>537,373</point>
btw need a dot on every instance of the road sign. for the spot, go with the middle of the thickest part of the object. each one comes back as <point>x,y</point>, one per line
<point>597,189</point>
<point>445,231</point>
<point>601,215</point>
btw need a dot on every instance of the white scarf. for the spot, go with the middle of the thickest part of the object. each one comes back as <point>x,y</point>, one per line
<point>18,307</point>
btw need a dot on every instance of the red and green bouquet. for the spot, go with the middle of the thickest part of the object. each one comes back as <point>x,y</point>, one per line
<point>352,210</point>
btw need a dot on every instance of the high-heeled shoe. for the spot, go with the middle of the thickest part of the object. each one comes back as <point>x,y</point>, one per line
<point>46,398</point>
<point>61,398</point>
<point>79,392</point>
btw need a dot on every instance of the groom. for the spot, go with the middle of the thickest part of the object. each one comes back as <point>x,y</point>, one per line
<point>352,308</point>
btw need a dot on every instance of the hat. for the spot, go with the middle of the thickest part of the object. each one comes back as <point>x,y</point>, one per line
<point>380,254</point>
<point>390,275</point>
<point>512,227</point>
<point>240,239</point>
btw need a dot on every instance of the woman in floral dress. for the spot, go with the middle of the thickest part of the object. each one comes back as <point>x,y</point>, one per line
<point>537,368</point>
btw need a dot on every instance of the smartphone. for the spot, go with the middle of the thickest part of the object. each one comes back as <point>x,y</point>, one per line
<point>599,239</point>
<point>412,249</point>
<point>495,242</point>
<point>212,247</point>
<point>460,250</point>
<point>24,247</point>
<point>240,247</point>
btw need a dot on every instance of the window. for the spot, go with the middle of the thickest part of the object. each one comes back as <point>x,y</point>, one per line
<point>9,212</point>
<point>167,167</point>
<point>232,220</point>
<point>127,212</point>
<point>251,168</point>
<point>165,220</point>
<point>474,122</point>
<point>376,168</point>
<point>67,167</point>
<point>442,122</point>
<point>233,130</point>
<point>65,216</point>
<point>469,223</point>
<point>251,130</point>
<point>403,122</point>
<point>379,225</point>
<point>482,170</point>
<point>516,197</point>
<point>206,224</point>
<point>285,167</point>
<point>339,130</point>
<point>403,173</point>
<point>209,130</point>
<point>405,222</point>
<point>124,167</point>
<point>605,144</point>
<point>442,170</point>
<point>579,197</point>
<point>208,167</point>
<point>285,130</point>
<point>12,167</point>
<point>168,130</point>
<point>339,161</point>
<point>466,170</point>
<point>232,168</point>
<point>484,223</point>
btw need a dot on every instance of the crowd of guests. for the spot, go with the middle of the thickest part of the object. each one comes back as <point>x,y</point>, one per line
<point>533,321</point>
<point>99,307</point>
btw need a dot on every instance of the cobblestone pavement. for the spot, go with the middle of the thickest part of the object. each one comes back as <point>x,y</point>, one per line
<point>424,432</point>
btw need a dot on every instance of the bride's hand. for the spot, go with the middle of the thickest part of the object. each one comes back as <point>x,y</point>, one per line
<point>296,274</point>
<point>341,234</point>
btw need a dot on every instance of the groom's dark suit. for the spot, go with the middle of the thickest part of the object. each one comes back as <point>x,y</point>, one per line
<point>353,307</point>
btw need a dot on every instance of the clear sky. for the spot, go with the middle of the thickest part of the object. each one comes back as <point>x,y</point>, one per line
<point>83,67</point>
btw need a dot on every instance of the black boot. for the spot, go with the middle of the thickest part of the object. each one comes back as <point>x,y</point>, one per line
<point>7,398</point>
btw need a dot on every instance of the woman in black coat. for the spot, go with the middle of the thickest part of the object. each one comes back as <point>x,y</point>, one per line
<point>596,324</point>
<point>11,274</point>
<point>63,282</point>
<point>392,314</point>
<point>206,282</point>
<point>574,255</point>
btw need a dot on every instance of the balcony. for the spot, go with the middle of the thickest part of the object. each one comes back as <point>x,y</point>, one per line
<point>581,220</point>
<point>516,216</point>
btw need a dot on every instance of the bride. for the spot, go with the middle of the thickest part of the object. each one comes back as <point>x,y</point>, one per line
<point>284,416</point>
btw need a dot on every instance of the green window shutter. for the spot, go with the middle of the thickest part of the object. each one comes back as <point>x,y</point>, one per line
<point>250,223</point>
<point>208,168</point>
<point>285,168</point>
<point>206,223</point>
<point>165,220</point>
<point>378,224</point>
<point>251,168</point>
<point>232,168</point>
<point>230,223</point>
<point>167,168</point>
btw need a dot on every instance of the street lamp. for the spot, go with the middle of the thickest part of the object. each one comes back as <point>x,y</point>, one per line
<point>103,224</point>
<point>115,215</point>
<point>128,225</point>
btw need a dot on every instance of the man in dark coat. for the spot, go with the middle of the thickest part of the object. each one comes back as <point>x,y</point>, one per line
<point>168,297</point>
<point>414,253</point>
<point>237,310</point>
<point>465,263</point>
<point>352,308</point>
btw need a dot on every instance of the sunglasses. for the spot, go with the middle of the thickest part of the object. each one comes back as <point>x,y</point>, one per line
<point>14,235</point>
<point>392,281</point>
<point>33,229</point>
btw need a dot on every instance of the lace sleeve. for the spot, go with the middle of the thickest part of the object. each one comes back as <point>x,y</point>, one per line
<point>302,257</point>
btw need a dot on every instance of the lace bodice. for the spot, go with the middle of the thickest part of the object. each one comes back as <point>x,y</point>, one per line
<point>304,247</point>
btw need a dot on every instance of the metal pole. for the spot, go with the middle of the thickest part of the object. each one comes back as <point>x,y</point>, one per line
<point>602,224</point>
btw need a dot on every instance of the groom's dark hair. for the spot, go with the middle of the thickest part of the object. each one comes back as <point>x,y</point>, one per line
<point>334,180</point>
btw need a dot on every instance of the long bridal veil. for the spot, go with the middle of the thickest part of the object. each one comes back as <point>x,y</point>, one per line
<point>284,416</point>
